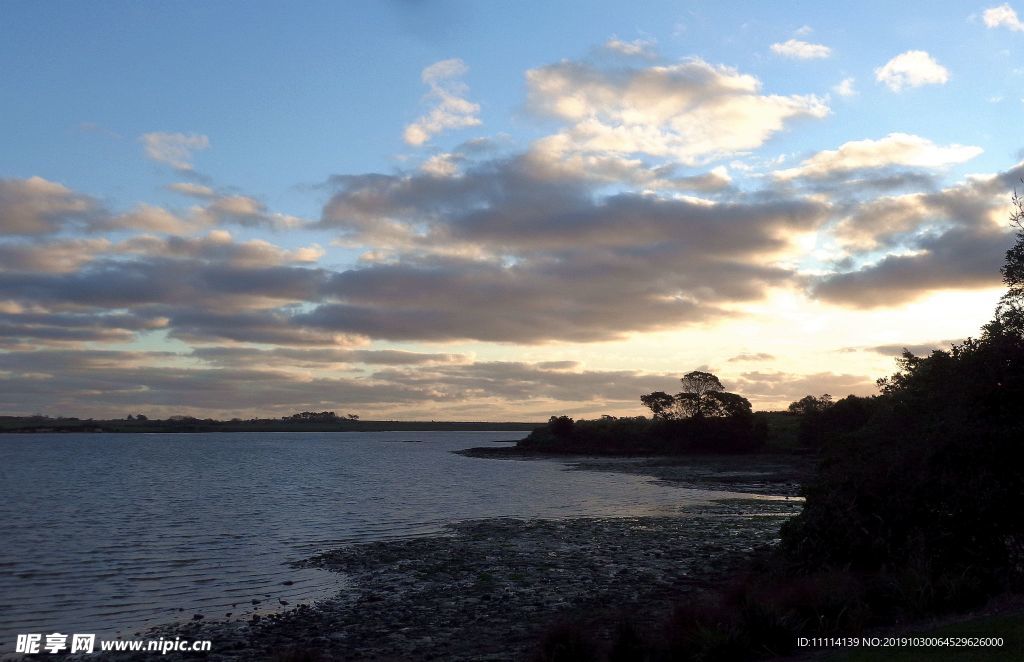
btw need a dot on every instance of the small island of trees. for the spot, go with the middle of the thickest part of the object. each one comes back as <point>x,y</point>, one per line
<point>702,418</point>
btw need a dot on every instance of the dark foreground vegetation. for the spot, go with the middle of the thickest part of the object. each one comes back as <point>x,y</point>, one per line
<point>302,422</point>
<point>915,511</point>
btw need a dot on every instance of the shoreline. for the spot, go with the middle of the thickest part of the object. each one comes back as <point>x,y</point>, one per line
<point>489,589</point>
<point>769,474</point>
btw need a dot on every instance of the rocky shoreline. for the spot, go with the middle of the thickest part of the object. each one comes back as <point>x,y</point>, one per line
<point>489,589</point>
<point>775,474</point>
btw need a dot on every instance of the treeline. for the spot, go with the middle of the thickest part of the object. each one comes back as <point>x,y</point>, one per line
<point>702,418</point>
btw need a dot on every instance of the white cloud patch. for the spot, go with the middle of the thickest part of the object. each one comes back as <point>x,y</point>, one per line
<point>451,109</point>
<point>911,69</point>
<point>1002,16</point>
<point>192,190</point>
<point>896,149</point>
<point>174,149</point>
<point>150,218</point>
<point>445,164</point>
<point>801,50</point>
<point>691,111</point>
<point>845,88</point>
<point>637,48</point>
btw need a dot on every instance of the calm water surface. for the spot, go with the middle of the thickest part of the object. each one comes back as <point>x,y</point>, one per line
<point>111,533</point>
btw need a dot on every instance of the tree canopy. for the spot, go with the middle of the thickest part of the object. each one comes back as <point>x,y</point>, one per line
<point>1010,311</point>
<point>703,396</point>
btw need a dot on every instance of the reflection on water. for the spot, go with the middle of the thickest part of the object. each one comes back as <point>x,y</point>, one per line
<point>106,533</point>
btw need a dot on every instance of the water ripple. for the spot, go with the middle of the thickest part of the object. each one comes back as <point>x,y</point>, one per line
<point>112,533</point>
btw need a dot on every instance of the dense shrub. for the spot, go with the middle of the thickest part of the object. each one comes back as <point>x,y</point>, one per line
<point>638,435</point>
<point>831,420</point>
<point>928,491</point>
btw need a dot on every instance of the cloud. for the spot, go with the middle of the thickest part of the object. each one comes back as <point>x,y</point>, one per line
<point>149,218</point>
<point>192,190</point>
<point>908,246</point>
<point>755,357</point>
<point>268,326</point>
<point>618,221</point>
<point>780,388</point>
<point>895,149</point>
<point>242,210</point>
<point>496,252</point>
<point>218,246</point>
<point>644,48</point>
<point>919,349</point>
<point>161,384</point>
<point>118,283</point>
<point>36,206</point>
<point>801,50</point>
<point>225,384</point>
<point>1002,16</point>
<point>449,300</point>
<point>451,109</point>
<point>231,357</point>
<point>49,329</point>
<point>691,111</point>
<point>717,179</point>
<point>957,259</point>
<point>107,383</point>
<point>201,288</point>
<point>174,149</point>
<point>977,204</point>
<point>911,69</point>
<point>845,88</point>
<point>493,254</point>
<point>53,256</point>
<point>445,164</point>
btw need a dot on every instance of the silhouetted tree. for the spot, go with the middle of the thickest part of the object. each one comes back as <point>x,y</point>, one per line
<point>660,404</point>
<point>728,405</point>
<point>313,416</point>
<point>810,404</point>
<point>703,396</point>
<point>561,426</point>
<point>1010,311</point>
<point>695,399</point>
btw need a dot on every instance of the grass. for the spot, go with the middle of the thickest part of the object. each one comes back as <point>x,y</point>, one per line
<point>1009,627</point>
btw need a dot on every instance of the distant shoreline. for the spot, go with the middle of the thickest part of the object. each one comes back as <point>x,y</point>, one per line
<point>32,425</point>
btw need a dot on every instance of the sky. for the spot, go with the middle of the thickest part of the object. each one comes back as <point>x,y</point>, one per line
<point>442,210</point>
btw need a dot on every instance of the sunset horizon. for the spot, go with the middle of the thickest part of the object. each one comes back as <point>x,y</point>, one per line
<point>440,223</point>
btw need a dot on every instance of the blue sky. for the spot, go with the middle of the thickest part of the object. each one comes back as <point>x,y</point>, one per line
<point>291,96</point>
<point>232,143</point>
